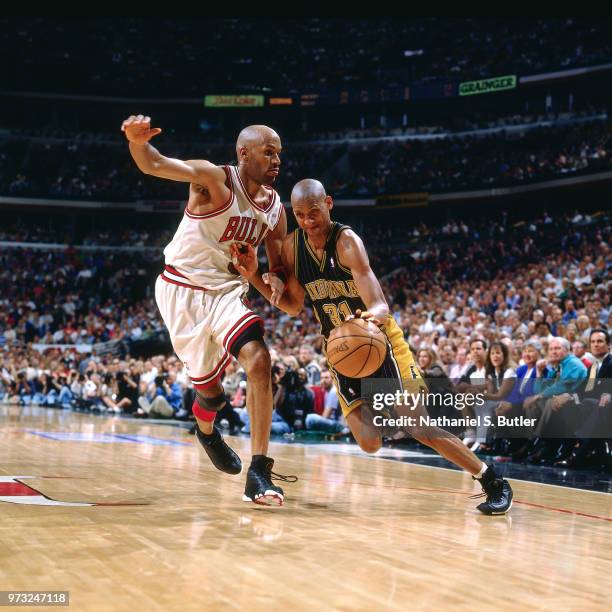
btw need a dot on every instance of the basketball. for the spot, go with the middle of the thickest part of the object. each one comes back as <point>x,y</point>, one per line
<point>357,348</point>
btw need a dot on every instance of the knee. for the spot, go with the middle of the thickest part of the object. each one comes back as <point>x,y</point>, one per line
<point>370,445</point>
<point>258,363</point>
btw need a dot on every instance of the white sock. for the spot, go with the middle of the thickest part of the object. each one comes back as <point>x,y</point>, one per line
<point>483,469</point>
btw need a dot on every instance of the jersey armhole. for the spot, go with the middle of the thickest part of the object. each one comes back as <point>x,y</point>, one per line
<point>280,214</point>
<point>230,185</point>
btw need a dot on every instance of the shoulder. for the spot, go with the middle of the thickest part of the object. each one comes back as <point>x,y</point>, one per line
<point>347,238</point>
<point>349,247</point>
<point>207,168</point>
<point>577,363</point>
<point>510,373</point>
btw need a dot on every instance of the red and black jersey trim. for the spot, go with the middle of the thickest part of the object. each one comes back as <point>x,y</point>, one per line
<point>251,200</point>
<point>280,214</point>
<point>242,324</point>
<point>173,276</point>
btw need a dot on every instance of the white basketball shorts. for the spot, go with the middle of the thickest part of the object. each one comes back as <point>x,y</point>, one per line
<point>203,324</point>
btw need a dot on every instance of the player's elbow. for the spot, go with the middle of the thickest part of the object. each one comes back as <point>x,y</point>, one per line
<point>294,309</point>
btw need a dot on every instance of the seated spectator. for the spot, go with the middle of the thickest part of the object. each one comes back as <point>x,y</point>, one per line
<point>579,349</point>
<point>163,398</point>
<point>298,401</point>
<point>128,383</point>
<point>587,412</point>
<point>331,420</point>
<point>474,381</point>
<point>500,379</point>
<point>568,372</point>
<point>437,382</point>
<point>306,358</point>
<point>459,367</point>
<point>108,394</point>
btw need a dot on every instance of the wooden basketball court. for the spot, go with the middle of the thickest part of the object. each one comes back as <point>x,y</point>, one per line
<point>356,533</point>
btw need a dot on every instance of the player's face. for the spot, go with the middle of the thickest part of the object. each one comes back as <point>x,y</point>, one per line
<point>313,218</point>
<point>263,161</point>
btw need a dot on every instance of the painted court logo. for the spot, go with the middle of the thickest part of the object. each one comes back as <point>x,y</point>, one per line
<point>14,491</point>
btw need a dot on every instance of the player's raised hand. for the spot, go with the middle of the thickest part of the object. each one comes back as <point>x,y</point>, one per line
<point>277,284</point>
<point>137,129</point>
<point>365,315</point>
<point>244,258</point>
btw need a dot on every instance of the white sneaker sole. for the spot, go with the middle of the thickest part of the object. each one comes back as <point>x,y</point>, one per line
<point>269,498</point>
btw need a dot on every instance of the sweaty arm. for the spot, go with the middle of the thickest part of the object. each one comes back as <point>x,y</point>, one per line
<point>292,300</point>
<point>274,247</point>
<point>352,255</point>
<point>149,160</point>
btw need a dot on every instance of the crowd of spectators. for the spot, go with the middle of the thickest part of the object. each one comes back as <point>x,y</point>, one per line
<point>72,296</point>
<point>191,57</point>
<point>92,170</point>
<point>485,302</point>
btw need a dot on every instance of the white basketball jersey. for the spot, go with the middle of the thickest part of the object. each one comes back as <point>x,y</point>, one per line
<point>200,248</point>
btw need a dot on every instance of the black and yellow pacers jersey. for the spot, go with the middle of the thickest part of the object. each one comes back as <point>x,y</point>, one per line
<point>329,285</point>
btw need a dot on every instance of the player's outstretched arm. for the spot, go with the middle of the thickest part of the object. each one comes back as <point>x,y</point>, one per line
<point>292,300</point>
<point>138,131</point>
<point>277,276</point>
<point>352,255</point>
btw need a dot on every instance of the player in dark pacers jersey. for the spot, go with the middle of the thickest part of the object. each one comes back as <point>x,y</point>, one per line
<point>329,262</point>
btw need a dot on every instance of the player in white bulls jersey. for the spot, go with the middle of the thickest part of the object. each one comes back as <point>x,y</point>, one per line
<point>200,294</point>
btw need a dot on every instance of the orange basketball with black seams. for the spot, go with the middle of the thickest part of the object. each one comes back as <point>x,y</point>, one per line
<point>357,348</point>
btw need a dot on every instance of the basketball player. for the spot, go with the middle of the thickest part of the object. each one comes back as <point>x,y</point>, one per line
<point>329,261</point>
<point>200,294</point>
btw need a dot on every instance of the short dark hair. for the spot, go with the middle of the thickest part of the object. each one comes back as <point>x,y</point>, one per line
<point>600,330</point>
<point>482,340</point>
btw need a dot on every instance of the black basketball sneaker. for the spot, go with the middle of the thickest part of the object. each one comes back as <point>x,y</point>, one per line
<point>497,491</point>
<point>221,455</point>
<point>259,488</point>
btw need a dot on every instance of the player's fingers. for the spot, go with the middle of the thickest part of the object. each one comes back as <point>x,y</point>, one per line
<point>147,119</point>
<point>139,118</point>
<point>155,131</point>
<point>357,313</point>
<point>265,278</point>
